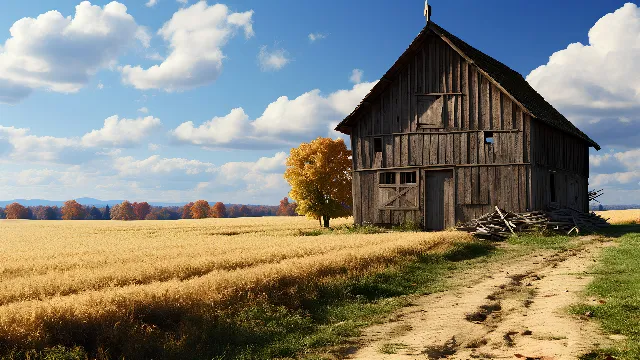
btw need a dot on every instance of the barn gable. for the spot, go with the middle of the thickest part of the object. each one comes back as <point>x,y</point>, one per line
<point>500,75</point>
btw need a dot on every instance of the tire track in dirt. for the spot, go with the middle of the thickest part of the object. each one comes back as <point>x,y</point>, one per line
<point>507,310</point>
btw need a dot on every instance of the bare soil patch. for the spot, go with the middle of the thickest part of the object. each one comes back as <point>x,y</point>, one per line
<point>508,310</point>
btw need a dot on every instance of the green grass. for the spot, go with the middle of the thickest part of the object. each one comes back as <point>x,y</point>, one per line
<point>617,283</point>
<point>539,241</point>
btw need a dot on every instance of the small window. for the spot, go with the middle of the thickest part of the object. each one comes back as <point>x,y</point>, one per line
<point>387,178</point>
<point>488,137</point>
<point>552,186</point>
<point>377,145</point>
<point>408,177</point>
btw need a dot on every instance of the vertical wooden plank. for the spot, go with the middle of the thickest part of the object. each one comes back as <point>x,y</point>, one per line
<point>468,184</point>
<point>475,185</point>
<point>507,113</point>
<point>433,151</point>
<point>473,98</point>
<point>484,116</point>
<point>479,139</point>
<point>388,151</point>
<point>484,188</point>
<point>456,148</point>
<point>460,181</point>
<point>450,69</point>
<point>464,85</point>
<point>526,139</point>
<point>450,146</point>
<point>455,69</point>
<point>397,152</point>
<point>425,77</point>
<point>464,152</point>
<point>425,149</point>
<point>491,175</point>
<point>442,144</point>
<point>404,151</point>
<point>357,207</point>
<point>473,148</point>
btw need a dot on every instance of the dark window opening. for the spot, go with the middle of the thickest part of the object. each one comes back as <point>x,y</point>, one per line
<point>388,178</point>
<point>377,145</point>
<point>398,119</point>
<point>488,137</point>
<point>408,177</point>
<point>552,186</point>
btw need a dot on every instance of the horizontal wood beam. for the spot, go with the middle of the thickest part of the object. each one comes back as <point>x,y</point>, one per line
<point>443,132</point>
<point>439,166</point>
<point>441,93</point>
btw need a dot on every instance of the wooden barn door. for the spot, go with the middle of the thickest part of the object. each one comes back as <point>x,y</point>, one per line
<point>439,199</point>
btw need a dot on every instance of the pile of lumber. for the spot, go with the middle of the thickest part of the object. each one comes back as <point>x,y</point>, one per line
<point>501,224</point>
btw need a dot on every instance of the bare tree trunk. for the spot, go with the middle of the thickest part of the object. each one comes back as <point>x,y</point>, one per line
<point>326,220</point>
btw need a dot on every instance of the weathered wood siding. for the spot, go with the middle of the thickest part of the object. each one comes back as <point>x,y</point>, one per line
<point>485,174</point>
<point>565,156</point>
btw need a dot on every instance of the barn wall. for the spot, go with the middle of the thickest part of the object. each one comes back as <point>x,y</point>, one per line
<point>472,105</point>
<point>567,157</point>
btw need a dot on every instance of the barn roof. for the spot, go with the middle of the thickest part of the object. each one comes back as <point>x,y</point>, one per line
<point>508,79</point>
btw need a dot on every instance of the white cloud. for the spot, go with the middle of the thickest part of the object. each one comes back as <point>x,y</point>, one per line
<point>100,86</point>
<point>121,132</point>
<point>597,85</point>
<point>273,60</point>
<point>61,53</point>
<point>153,147</point>
<point>356,76</point>
<point>313,37</point>
<point>143,110</point>
<point>183,2</point>
<point>155,165</point>
<point>151,3</point>
<point>284,122</point>
<point>196,36</point>
<point>217,131</point>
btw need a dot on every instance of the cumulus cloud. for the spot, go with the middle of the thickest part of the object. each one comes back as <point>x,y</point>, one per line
<point>151,3</point>
<point>60,53</point>
<point>18,144</point>
<point>272,60</point>
<point>313,37</point>
<point>597,85</point>
<point>121,132</point>
<point>284,122</point>
<point>143,110</point>
<point>195,36</point>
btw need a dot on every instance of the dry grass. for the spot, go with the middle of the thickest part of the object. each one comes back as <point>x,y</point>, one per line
<point>57,277</point>
<point>631,216</point>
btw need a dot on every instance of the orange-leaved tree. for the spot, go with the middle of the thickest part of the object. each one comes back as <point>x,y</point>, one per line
<point>319,173</point>
<point>123,211</point>
<point>218,210</point>
<point>185,211</point>
<point>200,209</point>
<point>16,211</point>
<point>141,209</point>
<point>72,210</point>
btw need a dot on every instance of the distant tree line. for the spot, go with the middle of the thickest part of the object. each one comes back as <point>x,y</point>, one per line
<point>72,210</point>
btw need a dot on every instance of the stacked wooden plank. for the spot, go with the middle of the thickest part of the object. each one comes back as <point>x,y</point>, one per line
<point>501,224</point>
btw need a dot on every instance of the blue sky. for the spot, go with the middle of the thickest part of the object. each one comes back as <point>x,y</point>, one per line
<point>83,111</point>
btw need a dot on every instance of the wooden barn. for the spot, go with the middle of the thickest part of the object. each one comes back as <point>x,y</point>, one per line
<point>449,132</point>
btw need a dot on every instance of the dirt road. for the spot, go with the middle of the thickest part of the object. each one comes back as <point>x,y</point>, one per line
<point>510,310</point>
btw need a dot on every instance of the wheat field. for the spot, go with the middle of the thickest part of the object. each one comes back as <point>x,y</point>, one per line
<point>98,275</point>
<point>631,216</point>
